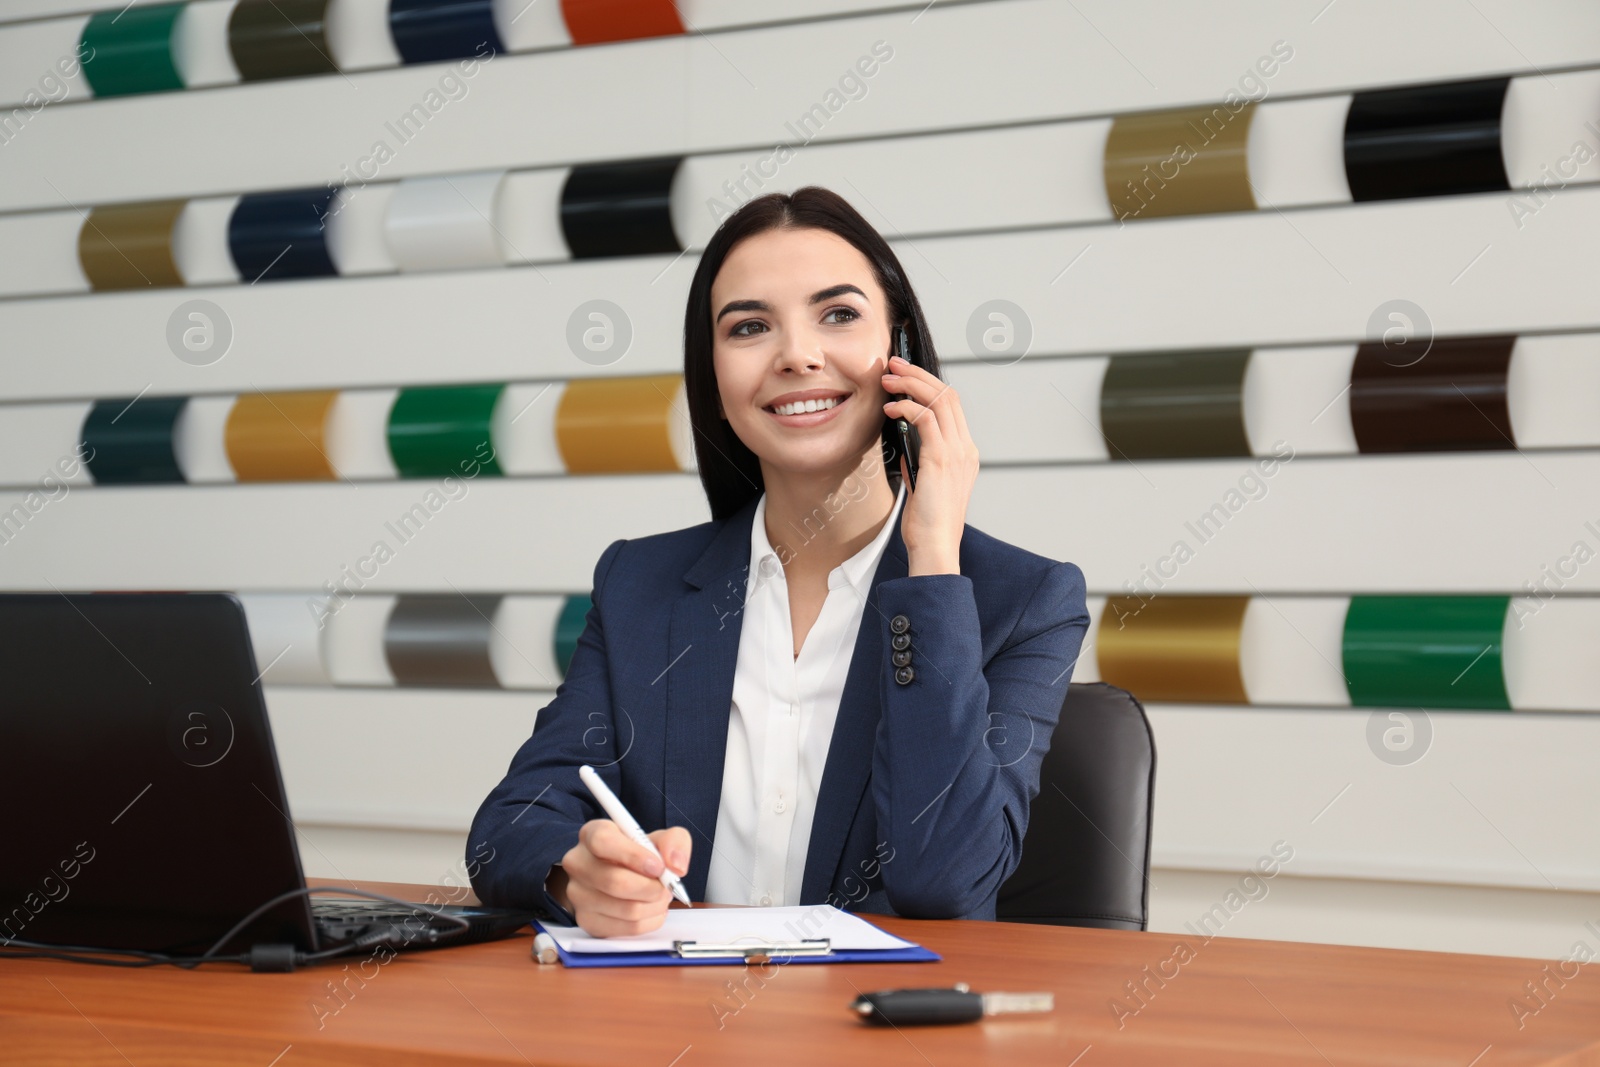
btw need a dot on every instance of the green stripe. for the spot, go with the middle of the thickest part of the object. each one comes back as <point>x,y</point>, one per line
<point>130,51</point>
<point>444,430</point>
<point>569,627</point>
<point>1426,651</point>
<point>1160,405</point>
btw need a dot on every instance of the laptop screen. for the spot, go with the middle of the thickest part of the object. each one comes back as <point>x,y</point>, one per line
<point>142,798</point>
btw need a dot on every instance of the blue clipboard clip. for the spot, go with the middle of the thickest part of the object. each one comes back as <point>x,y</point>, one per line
<point>763,953</point>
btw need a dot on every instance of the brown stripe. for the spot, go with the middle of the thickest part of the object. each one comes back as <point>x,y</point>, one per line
<point>129,246</point>
<point>1189,162</point>
<point>1173,648</point>
<point>280,39</point>
<point>280,437</point>
<point>1451,398</point>
<point>616,425</point>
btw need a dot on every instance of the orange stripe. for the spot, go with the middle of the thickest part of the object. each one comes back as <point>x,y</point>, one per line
<point>617,425</point>
<point>280,437</point>
<point>598,21</point>
<point>1179,648</point>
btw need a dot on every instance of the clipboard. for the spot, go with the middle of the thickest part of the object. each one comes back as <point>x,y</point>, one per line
<point>764,943</point>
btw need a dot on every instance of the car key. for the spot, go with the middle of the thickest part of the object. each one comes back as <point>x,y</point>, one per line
<point>926,1007</point>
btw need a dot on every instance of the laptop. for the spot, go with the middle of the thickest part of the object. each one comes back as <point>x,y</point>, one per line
<point>144,805</point>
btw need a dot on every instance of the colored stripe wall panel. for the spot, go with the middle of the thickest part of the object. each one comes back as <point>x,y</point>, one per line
<point>1452,397</point>
<point>1426,651</point>
<point>598,21</point>
<point>1550,136</point>
<point>281,235</point>
<point>1290,651</point>
<point>519,317</point>
<point>444,430</point>
<point>624,425</point>
<point>286,636</point>
<point>1343,513</point>
<point>39,62</point>
<point>41,445</point>
<point>130,50</point>
<point>1550,641</point>
<point>1164,647</point>
<point>1064,181</point>
<point>1298,396</point>
<point>280,38</point>
<point>358,35</point>
<point>1553,391</point>
<point>529,218</point>
<point>569,627</point>
<point>1491,800</point>
<point>52,264</point>
<point>394,759</point>
<point>523,428</point>
<point>129,246</point>
<point>446,223</point>
<point>200,242</point>
<point>526,27</point>
<point>1297,152</point>
<point>1189,162</point>
<point>620,209</point>
<point>199,440</point>
<point>441,640</point>
<point>131,439</point>
<point>1047,51</point>
<point>1425,140</point>
<point>200,44</point>
<point>1165,405</point>
<point>280,437</point>
<point>358,434</point>
<point>357,241</point>
<point>522,647</point>
<point>354,625</point>
<point>1033,409</point>
<point>426,31</point>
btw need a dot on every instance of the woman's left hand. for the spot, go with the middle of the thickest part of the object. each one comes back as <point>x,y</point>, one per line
<point>936,513</point>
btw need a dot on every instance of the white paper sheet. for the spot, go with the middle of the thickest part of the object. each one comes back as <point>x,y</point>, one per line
<point>744,926</point>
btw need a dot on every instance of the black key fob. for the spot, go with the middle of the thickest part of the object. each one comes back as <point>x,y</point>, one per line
<point>919,1007</point>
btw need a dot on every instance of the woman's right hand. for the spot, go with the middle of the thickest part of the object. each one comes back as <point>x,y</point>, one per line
<point>612,884</point>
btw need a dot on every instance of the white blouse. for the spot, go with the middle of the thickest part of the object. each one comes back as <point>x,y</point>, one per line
<point>781,722</point>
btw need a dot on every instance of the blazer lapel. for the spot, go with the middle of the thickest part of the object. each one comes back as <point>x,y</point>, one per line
<point>849,766</point>
<point>703,649</point>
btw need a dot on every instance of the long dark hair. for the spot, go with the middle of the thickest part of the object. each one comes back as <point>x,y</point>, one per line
<point>729,471</point>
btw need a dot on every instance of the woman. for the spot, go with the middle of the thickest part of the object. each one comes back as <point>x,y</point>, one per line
<point>835,691</point>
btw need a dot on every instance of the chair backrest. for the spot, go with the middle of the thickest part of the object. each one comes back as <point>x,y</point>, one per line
<point>1086,854</point>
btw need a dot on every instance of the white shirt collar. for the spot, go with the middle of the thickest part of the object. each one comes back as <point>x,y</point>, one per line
<point>857,570</point>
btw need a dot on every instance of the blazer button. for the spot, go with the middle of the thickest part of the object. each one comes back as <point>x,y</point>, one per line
<point>904,675</point>
<point>902,659</point>
<point>899,624</point>
<point>900,642</point>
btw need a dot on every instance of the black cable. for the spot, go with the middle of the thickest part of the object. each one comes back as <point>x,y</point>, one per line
<point>285,958</point>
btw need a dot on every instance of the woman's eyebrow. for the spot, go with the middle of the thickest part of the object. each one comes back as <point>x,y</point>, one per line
<point>816,298</point>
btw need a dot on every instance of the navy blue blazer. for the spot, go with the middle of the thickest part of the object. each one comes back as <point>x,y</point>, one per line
<point>924,797</point>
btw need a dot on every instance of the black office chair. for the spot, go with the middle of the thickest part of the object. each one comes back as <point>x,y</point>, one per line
<point>1086,855</point>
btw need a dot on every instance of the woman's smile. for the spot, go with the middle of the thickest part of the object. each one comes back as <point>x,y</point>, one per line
<point>806,419</point>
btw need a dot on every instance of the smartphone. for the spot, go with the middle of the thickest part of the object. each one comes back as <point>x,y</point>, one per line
<point>900,438</point>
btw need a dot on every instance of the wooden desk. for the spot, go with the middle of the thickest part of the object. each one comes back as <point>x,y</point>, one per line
<point>1233,1002</point>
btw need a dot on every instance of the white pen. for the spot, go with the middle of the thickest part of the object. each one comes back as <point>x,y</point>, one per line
<point>619,815</point>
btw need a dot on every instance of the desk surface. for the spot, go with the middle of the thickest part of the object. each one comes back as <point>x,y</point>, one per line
<point>1224,1001</point>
